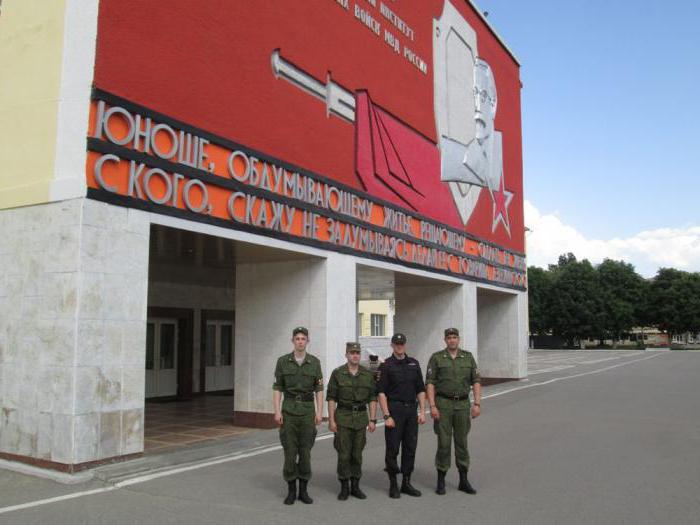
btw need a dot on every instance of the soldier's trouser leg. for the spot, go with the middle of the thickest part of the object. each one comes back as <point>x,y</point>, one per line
<point>307,438</point>
<point>462,423</point>
<point>297,436</point>
<point>359,440</point>
<point>290,444</point>
<point>343,445</point>
<point>443,430</point>
<point>409,442</point>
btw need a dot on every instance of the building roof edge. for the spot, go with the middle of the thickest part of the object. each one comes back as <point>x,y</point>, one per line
<point>478,11</point>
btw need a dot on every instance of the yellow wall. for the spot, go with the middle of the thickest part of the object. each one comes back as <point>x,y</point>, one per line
<point>31,47</point>
<point>368,307</point>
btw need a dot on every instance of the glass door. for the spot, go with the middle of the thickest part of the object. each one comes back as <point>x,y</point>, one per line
<point>218,348</point>
<point>161,357</point>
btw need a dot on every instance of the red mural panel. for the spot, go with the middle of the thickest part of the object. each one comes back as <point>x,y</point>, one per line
<point>349,90</point>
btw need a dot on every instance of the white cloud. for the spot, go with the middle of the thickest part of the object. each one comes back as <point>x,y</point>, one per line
<point>647,251</point>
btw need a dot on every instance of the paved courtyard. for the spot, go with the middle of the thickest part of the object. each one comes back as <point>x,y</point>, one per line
<point>590,437</point>
<point>169,425</point>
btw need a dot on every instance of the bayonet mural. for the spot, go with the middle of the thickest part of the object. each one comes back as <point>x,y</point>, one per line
<point>391,156</point>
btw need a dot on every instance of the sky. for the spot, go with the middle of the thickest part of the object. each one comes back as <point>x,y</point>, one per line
<point>611,127</point>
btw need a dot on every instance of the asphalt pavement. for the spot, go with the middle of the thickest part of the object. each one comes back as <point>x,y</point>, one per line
<point>591,437</point>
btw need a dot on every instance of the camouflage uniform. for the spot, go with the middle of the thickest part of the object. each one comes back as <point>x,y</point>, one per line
<point>298,431</point>
<point>452,378</point>
<point>351,394</point>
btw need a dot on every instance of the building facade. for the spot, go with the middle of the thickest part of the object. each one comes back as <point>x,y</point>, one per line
<point>182,184</point>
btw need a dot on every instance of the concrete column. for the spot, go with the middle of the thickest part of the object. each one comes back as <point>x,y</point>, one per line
<point>39,261</point>
<point>502,333</point>
<point>341,310</point>
<point>73,282</point>
<point>271,299</point>
<point>470,336</point>
<point>423,313</point>
<point>111,332</point>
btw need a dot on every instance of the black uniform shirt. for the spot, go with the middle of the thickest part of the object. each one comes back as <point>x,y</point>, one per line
<point>400,379</point>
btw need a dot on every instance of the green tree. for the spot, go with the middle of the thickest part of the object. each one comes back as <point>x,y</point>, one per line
<point>621,290</point>
<point>672,301</point>
<point>693,307</point>
<point>575,299</point>
<point>539,286</point>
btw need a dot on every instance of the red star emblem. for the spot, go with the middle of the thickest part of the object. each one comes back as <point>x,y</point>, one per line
<point>501,200</point>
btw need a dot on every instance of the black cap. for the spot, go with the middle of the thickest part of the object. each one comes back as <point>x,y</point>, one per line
<point>451,331</point>
<point>398,339</point>
<point>300,330</point>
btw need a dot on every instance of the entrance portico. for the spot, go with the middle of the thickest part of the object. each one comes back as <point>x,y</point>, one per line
<point>163,234</point>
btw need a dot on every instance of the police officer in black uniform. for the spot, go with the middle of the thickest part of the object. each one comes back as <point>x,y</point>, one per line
<point>399,384</point>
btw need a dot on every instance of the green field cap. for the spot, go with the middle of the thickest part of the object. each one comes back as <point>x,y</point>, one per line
<point>353,347</point>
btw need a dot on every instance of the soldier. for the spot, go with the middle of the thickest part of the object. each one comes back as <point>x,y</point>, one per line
<point>400,383</point>
<point>298,375</point>
<point>451,373</point>
<point>350,388</point>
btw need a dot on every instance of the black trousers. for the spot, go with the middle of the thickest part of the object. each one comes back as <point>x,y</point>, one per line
<point>403,436</point>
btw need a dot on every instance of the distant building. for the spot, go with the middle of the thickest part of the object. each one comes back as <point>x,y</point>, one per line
<point>651,337</point>
<point>376,326</point>
<point>686,339</point>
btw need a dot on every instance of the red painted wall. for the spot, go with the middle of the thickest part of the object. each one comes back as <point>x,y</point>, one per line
<point>208,64</point>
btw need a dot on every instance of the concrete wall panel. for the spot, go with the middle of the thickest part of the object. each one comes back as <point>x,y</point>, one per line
<point>271,299</point>
<point>65,356</point>
<point>502,321</point>
<point>422,314</point>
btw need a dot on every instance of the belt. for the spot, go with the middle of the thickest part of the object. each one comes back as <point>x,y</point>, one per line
<point>404,403</point>
<point>354,407</point>
<point>306,396</point>
<point>454,397</point>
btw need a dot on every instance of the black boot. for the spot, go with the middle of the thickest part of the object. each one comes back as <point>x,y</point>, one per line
<point>303,495</point>
<point>441,483</point>
<point>464,484</point>
<point>291,492</point>
<point>355,490</point>
<point>344,490</point>
<point>393,487</point>
<point>407,488</point>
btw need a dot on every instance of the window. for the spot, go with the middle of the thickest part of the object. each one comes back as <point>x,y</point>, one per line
<point>167,346</point>
<point>226,344</point>
<point>378,324</point>
<point>218,343</point>
<point>150,345</point>
<point>210,345</point>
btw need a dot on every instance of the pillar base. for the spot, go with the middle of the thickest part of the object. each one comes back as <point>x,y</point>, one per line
<point>67,468</point>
